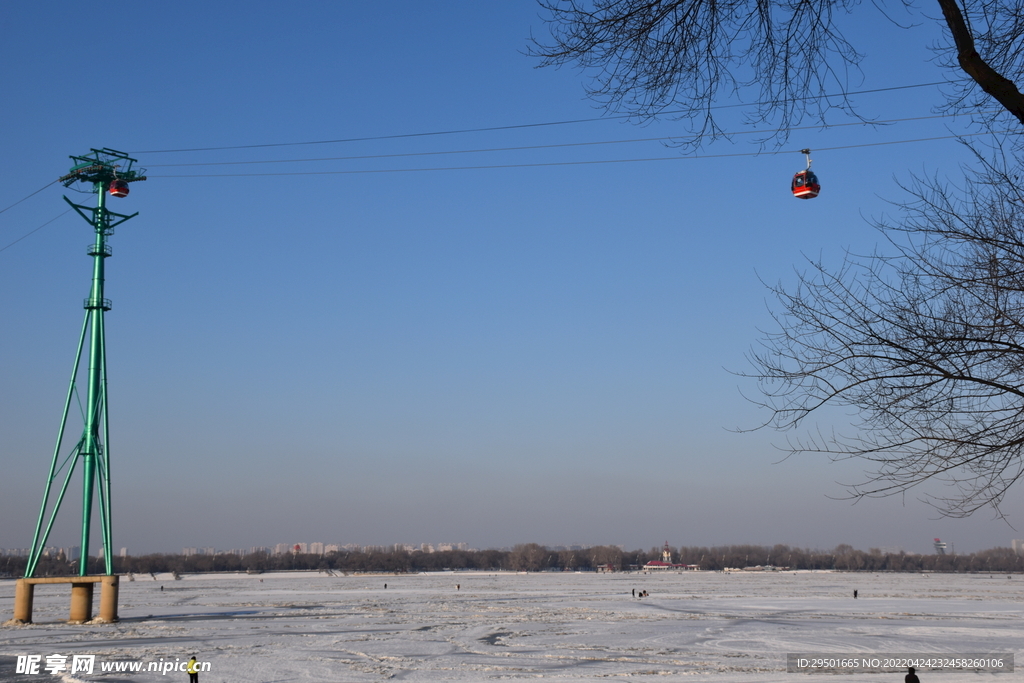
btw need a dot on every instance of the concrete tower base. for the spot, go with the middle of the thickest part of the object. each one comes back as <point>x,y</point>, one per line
<point>81,598</point>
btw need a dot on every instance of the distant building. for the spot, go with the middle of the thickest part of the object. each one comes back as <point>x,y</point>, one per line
<point>124,552</point>
<point>666,563</point>
<point>659,565</point>
<point>940,547</point>
<point>1018,546</point>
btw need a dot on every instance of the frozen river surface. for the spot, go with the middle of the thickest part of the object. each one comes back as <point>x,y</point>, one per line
<point>695,626</point>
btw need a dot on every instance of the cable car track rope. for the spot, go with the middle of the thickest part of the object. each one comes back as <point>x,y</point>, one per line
<point>550,146</point>
<point>565,163</point>
<point>28,196</point>
<point>64,213</point>
<point>532,165</point>
<point>520,148</point>
<point>521,125</point>
<point>664,139</point>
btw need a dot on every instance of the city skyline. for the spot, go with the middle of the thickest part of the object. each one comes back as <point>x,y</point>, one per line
<point>320,548</point>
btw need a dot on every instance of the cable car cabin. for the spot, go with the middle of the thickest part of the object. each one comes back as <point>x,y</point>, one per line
<point>119,188</point>
<point>805,185</point>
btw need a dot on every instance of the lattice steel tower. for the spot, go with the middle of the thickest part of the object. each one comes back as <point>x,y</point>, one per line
<point>109,172</point>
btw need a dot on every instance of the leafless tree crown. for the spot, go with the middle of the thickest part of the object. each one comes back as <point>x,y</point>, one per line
<point>925,344</point>
<point>655,55</point>
<point>651,57</point>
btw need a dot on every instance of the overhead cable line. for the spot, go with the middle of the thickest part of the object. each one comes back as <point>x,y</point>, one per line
<point>35,230</point>
<point>562,163</point>
<point>522,125</point>
<point>532,147</point>
<point>31,195</point>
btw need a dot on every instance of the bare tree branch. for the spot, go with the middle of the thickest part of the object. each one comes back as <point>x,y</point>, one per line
<point>926,346</point>
<point>995,84</point>
<point>650,57</point>
<point>654,55</point>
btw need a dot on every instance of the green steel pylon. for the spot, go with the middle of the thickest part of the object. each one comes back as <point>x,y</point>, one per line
<point>108,171</point>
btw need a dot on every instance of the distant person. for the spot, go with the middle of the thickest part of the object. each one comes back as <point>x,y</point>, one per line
<point>161,588</point>
<point>193,670</point>
<point>458,587</point>
<point>911,677</point>
<point>634,592</point>
<point>385,586</point>
<point>854,593</point>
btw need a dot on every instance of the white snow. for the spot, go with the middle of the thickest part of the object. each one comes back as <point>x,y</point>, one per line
<point>695,626</point>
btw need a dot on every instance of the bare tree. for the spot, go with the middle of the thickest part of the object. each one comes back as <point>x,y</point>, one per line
<point>987,47</point>
<point>651,57</point>
<point>529,557</point>
<point>925,344</point>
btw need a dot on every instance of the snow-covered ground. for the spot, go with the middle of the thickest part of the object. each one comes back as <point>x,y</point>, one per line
<point>273,628</point>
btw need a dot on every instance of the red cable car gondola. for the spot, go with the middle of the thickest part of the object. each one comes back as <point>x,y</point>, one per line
<point>805,184</point>
<point>119,188</point>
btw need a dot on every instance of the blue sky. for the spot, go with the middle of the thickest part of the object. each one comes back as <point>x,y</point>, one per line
<point>490,355</point>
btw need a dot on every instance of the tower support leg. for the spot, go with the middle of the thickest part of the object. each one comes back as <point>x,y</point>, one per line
<point>23,594</point>
<point>108,599</point>
<point>81,603</point>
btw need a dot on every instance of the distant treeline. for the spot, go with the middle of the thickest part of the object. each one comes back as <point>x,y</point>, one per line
<point>534,557</point>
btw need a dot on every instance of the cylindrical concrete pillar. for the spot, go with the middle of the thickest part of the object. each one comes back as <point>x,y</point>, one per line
<point>23,592</point>
<point>81,603</point>
<point>108,599</point>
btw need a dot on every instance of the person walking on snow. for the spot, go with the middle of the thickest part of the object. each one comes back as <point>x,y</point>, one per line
<point>193,670</point>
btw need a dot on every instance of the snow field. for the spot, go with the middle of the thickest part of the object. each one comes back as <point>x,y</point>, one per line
<point>695,626</point>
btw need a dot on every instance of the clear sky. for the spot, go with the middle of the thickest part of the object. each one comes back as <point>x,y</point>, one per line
<point>376,354</point>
